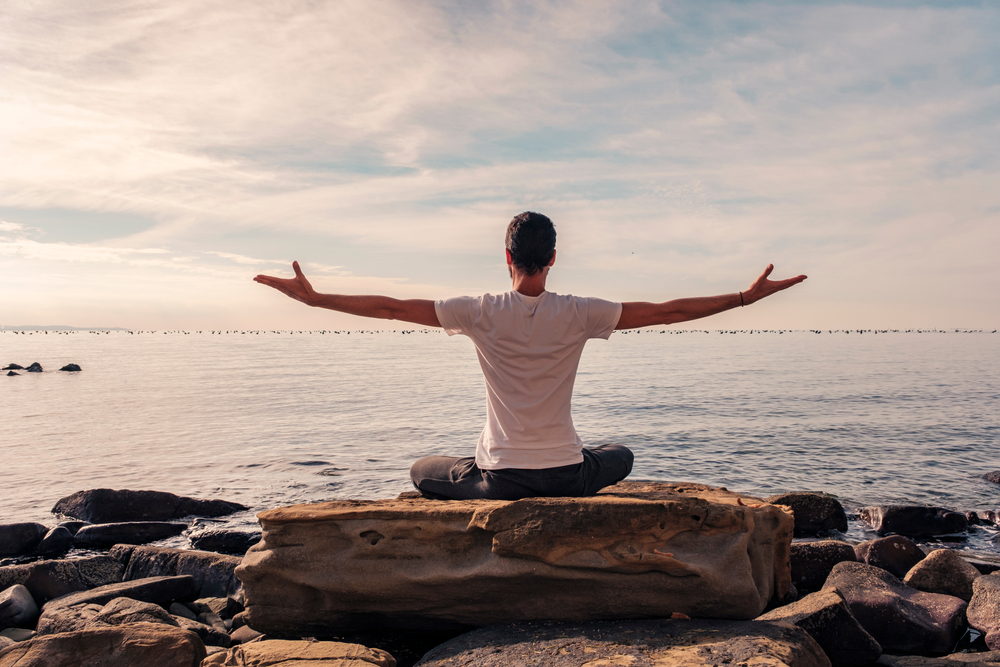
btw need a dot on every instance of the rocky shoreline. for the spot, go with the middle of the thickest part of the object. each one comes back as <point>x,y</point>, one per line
<point>643,574</point>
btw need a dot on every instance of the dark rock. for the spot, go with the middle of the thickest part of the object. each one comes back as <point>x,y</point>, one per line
<point>895,554</point>
<point>224,607</point>
<point>214,574</point>
<point>54,578</point>
<point>110,506</point>
<point>17,608</point>
<point>146,644</point>
<point>814,512</point>
<point>972,518</point>
<point>34,368</point>
<point>126,610</point>
<point>661,642</point>
<point>104,535</point>
<point>71,368</point>
<point>924,661</point>
<point>244,635</point>
<point>900,618</point>
<point>20,538</point>
<point>13,367</point>
<point>984,567</point>
<point>913,520</point>
<point>989,477</point>
<point>812,561</point>
<point>945,572</point>
<point>182,610</point>
<point>988,517</point>
<point>74,526</point>
<point>158,590</point>
<point>18,634</point>
<point>56,541</point>
<point>984,609</point>
<point>9,373</point>
<point>225,541</point>
<point>210,635</point>
<point>825,616</point>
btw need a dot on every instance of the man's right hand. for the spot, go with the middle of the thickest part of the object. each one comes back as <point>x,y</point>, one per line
<point>298,287</point>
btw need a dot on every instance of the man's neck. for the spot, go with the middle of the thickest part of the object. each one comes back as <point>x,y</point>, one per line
<point>529,285</point>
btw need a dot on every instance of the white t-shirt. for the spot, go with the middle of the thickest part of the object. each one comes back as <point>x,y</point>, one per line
<point>529,349</point>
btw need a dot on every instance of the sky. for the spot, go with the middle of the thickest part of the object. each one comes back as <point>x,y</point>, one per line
<point>155,156</point>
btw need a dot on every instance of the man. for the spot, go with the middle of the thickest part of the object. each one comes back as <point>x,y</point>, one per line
<point>529,343</point>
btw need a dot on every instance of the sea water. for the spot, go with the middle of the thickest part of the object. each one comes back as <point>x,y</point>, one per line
<point>276,418</point>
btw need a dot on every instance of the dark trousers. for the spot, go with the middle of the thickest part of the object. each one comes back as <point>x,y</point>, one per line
<point>451,478</point>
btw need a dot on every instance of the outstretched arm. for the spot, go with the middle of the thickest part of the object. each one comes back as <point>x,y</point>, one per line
<point>643,314</point>
<point>417,311</point>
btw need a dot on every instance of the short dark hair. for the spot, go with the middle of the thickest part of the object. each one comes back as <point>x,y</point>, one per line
<point>531,239</point>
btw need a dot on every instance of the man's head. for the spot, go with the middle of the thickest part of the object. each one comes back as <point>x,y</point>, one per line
<point>531,241</point>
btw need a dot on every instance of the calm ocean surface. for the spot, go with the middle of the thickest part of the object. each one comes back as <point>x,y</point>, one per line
<point>271,419</point>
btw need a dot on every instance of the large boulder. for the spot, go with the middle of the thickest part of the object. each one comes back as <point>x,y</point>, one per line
<point>638,550</point>
<point>146,644</point>
<point>894,554</point>
<point>826,618</point>
<point>126,610</point>
<point>214,574</point>
<point>943,571</point>
<point>54,578</point>
<point>280,652</point>
<point>64,612</point>
<point>900,618</point>
<point>984,609</point>
<point>814,512</point>
<point>651,642</point>
<point>812,562</point>
<point>111,506</point>
<point>20,538</point>
<point>914,520</point>
<point>105,535</point>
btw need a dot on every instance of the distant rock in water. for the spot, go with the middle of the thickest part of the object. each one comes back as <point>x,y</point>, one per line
<point>992,477</point>
<point>13,367</point>
<point>111,506</point>
<point>106,535</point>
<point>34,368</point>
<point>71,367</point>
<point>234,542</point>
<point>9,373</point>
<point>913,520</point>
<point>814,512</point>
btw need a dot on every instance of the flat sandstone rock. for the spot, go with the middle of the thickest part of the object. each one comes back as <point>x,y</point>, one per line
<point>636,550</point>
<point>632,644</point>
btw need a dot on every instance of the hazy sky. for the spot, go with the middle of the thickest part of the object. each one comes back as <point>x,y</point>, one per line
<point>155,156</point>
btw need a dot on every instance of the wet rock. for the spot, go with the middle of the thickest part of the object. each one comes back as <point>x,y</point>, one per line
<point>34,368</point>
<point>13,367</point>
<point>74,526</point>
<point>71,368</point>
<point>244,635</point>
<point>635,550</point>
<point>56,541</point>
<point>18,634</point>
<point>913,520</point>
<point>17,608</point>
<point>945,572</point>
<point>984,609</point>
<point>895,554</point>
<point>10,373</point>
<point>214,574</point>
<point>900,618</point>
<point>105,535</point>
<point>607,644</point>
<point>61,612</point>
<point>279,652</point>
<point>983,567</point>
<point>111,506</point>
<point>814,512</point>
<point>210,636</point>
<point>825,616</point>
<point>54,578</point>
<point>20,538</point>
<point>812,561</point>
<point>126,610</point>
<point>235,542</point>
<point>993,476</point>
<point>146,644</point>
